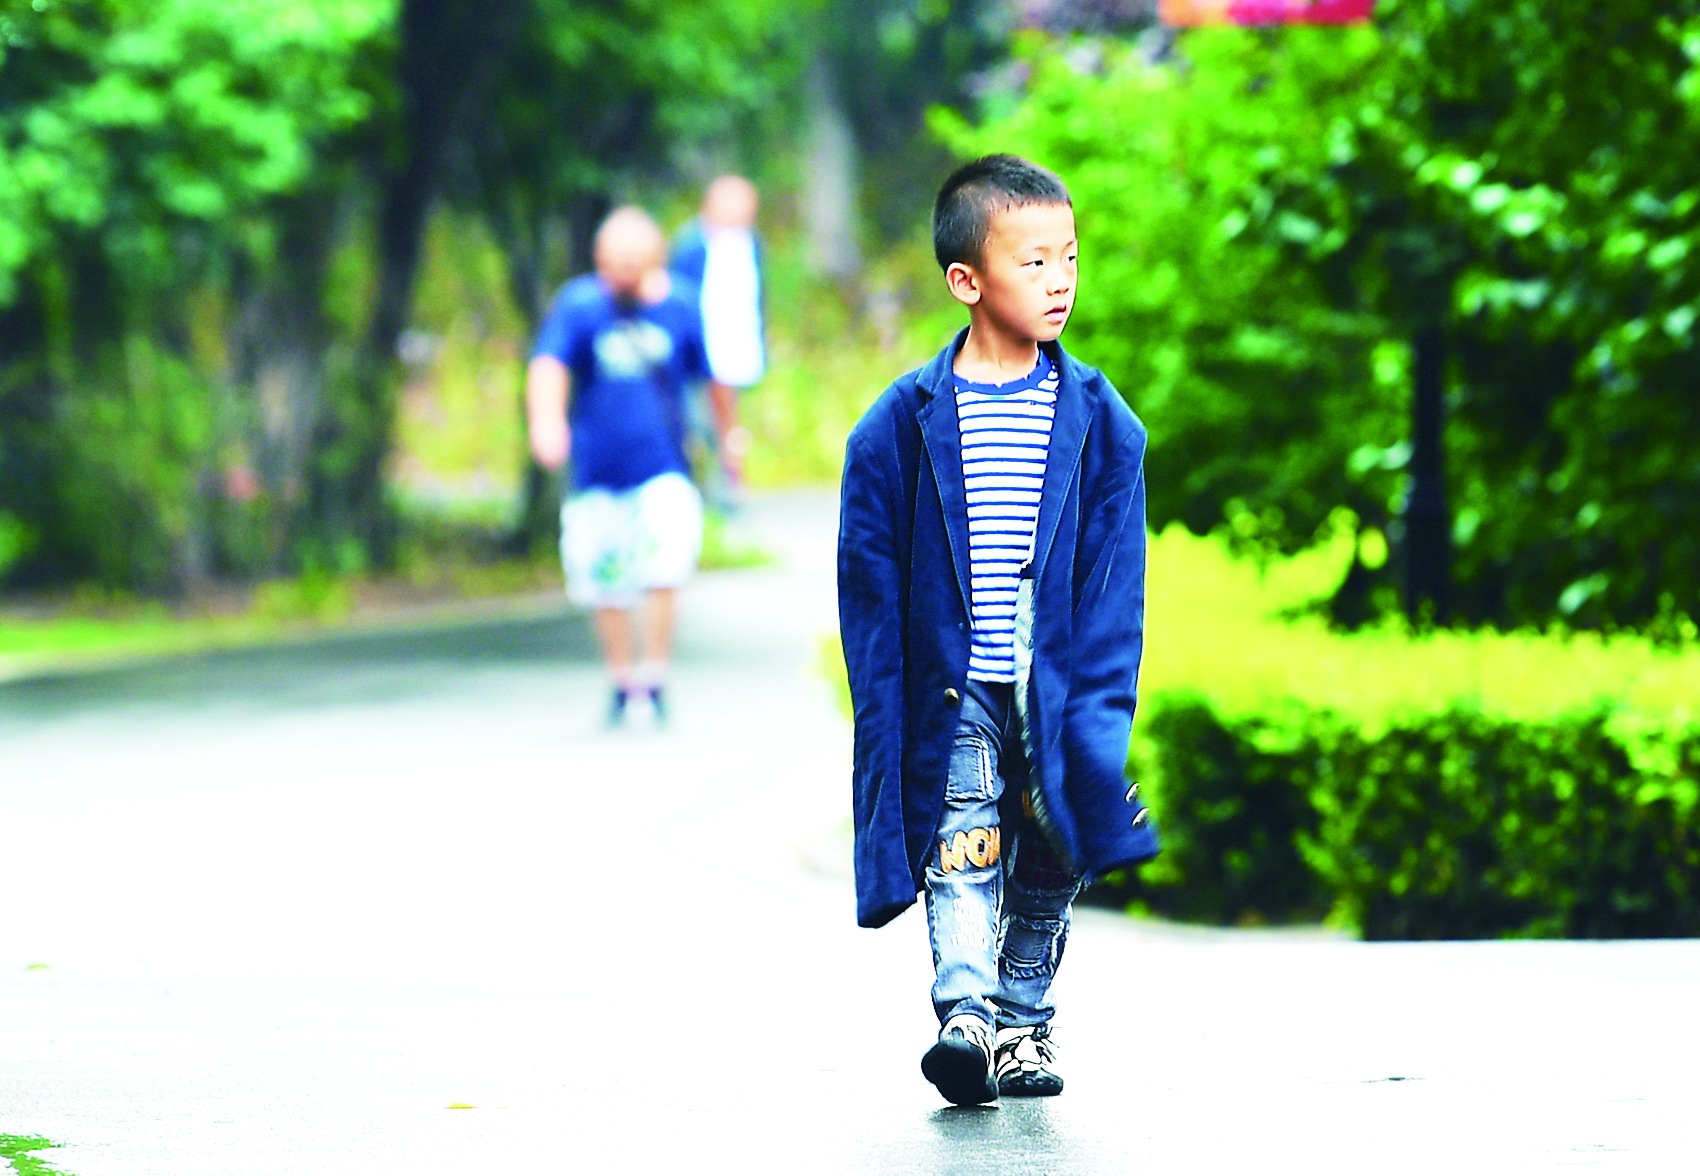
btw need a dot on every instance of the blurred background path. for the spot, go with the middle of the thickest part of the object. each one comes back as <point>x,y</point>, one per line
<point>396,904</point>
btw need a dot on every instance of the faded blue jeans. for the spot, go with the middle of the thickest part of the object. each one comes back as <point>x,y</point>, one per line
<point>998,899</point>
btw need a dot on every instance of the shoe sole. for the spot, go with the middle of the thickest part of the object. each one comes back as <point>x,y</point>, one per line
<point>958,1068</point>
<point>1030,1088</point>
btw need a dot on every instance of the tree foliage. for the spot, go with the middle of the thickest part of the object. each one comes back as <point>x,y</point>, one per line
<point>143,153</point>
<point>211,217</point>
<point>126,129</point>
<point>1511,173</point>
<point>1270,217</point>
<point>1259,389</point>
<point>890,62</point>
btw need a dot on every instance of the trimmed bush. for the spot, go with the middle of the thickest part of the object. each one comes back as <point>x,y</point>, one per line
<point>1440,785</point>
<point>1232,819</point>
<point>1460,826</point>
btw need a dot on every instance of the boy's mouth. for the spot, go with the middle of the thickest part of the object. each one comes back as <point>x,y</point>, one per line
<point>1057,313</point>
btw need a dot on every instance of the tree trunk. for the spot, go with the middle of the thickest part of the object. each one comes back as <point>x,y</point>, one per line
<point>279,338</point>
<point>445,67</point>
<point>1428,531</point>
<point>832,177</point>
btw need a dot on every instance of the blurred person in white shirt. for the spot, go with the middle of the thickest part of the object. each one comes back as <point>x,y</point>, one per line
<point>720,252</point>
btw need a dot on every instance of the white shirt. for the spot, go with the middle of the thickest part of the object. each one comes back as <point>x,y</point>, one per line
<point>731,307</point>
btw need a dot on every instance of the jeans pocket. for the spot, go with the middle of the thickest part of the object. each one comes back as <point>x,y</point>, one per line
<point>973,770</point>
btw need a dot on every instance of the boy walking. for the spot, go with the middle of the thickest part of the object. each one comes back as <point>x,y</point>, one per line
<point>991,581</point>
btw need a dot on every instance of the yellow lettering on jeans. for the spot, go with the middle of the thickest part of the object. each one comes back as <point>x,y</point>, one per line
<point>979,846</point>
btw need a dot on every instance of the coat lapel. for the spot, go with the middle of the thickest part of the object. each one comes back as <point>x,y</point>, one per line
<point>942,435</point>
<point>1068,439</point>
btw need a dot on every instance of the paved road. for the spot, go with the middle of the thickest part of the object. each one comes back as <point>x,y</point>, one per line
<point>393,904</point>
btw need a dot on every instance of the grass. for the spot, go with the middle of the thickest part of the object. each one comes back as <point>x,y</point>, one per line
<point>1240,634</point>
<point>723,549</point>
<point>90,626</point>
<point>459,424</point>
<point>73,637</point>
<point>18,1150</point>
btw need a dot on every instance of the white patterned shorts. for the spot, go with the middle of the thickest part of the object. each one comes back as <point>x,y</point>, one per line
<point>618,544</point>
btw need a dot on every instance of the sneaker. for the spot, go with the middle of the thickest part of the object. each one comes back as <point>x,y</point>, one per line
<point>960,1062</point>
<point>1026,1062</point>
<point>617,708</point>
<point>658,706</point>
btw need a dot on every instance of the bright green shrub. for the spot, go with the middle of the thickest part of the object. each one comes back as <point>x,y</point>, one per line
<point>1468,826</point>
<point>1456,826</point>
<point>1232,819</point>
<point>1439,785</point>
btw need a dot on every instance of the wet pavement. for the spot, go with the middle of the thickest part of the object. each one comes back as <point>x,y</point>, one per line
<point>395,903</point>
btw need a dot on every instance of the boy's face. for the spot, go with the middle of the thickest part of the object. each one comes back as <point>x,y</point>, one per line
<point>1024,285</point>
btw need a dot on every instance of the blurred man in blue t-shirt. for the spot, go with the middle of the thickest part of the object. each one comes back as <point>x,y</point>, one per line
<point>606,386</point>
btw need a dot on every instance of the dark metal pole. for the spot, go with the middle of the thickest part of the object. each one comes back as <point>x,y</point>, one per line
<point>1428,530</point>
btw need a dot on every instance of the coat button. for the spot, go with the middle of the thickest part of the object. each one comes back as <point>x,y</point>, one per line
<point>1141,817</point>
<point>951,696</point>
<point>1133,792</point>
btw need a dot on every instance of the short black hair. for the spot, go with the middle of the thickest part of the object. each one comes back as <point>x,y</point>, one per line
<point>978,191</point>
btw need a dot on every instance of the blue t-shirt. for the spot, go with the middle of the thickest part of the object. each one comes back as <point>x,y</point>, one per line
<point>630,366</point>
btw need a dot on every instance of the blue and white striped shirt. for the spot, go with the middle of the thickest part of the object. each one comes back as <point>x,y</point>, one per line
<point>1006,433</point>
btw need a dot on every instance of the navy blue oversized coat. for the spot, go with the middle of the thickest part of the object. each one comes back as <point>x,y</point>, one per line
<point>903,617</point>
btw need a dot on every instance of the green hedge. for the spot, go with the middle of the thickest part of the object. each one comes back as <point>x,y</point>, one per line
<point>1231,819</point>
<point>1462,825</point>
<point>1409,785</point>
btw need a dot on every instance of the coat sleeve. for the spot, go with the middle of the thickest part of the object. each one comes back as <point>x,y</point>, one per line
<point>1109,598</point>
<point>1109,628</point>
<point>871,598</point>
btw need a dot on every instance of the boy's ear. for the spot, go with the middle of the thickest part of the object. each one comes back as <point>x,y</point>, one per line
<point>964,283</point>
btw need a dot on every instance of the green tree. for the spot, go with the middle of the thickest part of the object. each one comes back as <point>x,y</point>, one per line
<point>1259,389</point>
<point>1534,158</point>
<point>142,152</point>
<point>1296,222</point>
<point>211,218</point>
